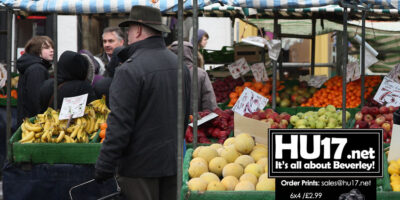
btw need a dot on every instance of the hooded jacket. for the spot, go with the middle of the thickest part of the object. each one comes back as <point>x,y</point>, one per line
<point>33,72</point>
<point>142,126</point>
<point>206,95</point>
<point>71,81</point>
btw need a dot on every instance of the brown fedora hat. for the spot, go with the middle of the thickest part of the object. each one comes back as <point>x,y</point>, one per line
<point>147,16</point>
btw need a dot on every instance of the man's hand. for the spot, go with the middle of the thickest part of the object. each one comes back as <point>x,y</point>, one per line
<point>100,176</point>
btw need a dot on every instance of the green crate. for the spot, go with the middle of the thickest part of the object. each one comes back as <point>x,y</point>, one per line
<point>386,195</point>
<point>3,102</point>
<point>54,153</point>
<point>220,195</point>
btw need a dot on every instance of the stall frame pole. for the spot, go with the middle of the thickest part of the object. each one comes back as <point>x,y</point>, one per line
<point>8,58</point>
<point>313,42</point>
<point>363,58</point>
<point>274,64</point>
<point>55,56</point>
<point>180,117</point>
<point>195,86</point>
<point>344,71</point>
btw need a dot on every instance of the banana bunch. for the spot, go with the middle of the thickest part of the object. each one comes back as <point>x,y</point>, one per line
<point>47,128</point>
<point>100,106</point>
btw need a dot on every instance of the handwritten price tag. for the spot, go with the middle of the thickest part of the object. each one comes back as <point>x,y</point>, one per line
<point>259,72</point>
<point>394,74</point>
<point>239,67</point>
<point>388,93</point>
<point>274,49</point>
<point>73,106</point>
<point>317,81</point>
<point>249,101</point>
<point>205,119</point>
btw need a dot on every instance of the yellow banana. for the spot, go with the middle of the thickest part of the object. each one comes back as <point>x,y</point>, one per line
<point>75,132</point>
<point>60,137</point>
<point>38,135</point>
<point>32,127</point>
<point>67,139</point>
<point>28,137</point>
<point>88,125</point>
<point>70,129</point>
<point>43,139</point>
<point>54,115</point>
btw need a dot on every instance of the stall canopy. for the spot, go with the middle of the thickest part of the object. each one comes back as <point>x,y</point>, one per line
<point>262,4</point>
<point>96,6</point>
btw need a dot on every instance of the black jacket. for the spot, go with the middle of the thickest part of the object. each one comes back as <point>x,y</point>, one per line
<point>33,72</point>
<point>71,81</point>
<point>141,136</point>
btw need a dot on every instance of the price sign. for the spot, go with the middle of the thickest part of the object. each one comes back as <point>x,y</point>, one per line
<point>205,119</point>
<point>388,93</point>
<point>239,67</point>
<point>259,72</point>
<point>3,76</point>
<point>353,72</point>
<point>73,107</point>
<point>274,49</point>
<point>394,74</point>
<point>325,164</point>
<point>249,101</point>
<point>317,81</point>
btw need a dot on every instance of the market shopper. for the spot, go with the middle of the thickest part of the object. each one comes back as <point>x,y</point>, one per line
<point>33,67</point>
<point>141,138</point>
<point>112,37</point>
<point>71,80</point>
<point>202,39</point>
<point>102,86</point>
<point>206,95</point>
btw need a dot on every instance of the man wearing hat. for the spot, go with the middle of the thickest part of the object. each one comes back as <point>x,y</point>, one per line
<point>141,142</point>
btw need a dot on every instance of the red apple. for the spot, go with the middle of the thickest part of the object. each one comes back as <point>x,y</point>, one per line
<point>388,117</point>
<point>270,120</point>
<point>247,115</point>
<point>275,125</point>
<point>390,133</point>
<point>374,111</point>
<point>379,121</point>
<point>361,124</point>
<point>282,126</point>
<point>284,121</point>
<point>365,110</point>
<point>359,115</point>
<point>391,109</point>
<point>285,116</point>
<point>374,126</point>
<point>269,110</point>
<point>385,136</point>
<point>386,126</point>
<point>277,119</point>
<point>368,118</point>
<point>383,110</point>
<point>256,117</point>
<point>262,115</point>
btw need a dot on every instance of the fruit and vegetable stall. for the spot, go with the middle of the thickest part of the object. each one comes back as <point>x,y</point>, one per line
<point>224,163</point>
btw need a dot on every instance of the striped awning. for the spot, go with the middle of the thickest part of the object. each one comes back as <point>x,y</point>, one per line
<point>95,6</point>
<point>266,4</point>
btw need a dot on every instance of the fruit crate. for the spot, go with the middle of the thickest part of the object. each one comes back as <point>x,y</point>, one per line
<point>220,195</point>
<point>54,153</point>
<point>3,102</point>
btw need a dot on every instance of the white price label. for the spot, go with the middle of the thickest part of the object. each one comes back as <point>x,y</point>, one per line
<point>274,49</point>
<point>239,67</point>
<point>394,74</point>
<point>388,93</point>
<point>259,72</point>
<point>205,119</point>
<point>317,81</point>
<point>353,72</point>
<point>73,106</point>
<point>249,101</point>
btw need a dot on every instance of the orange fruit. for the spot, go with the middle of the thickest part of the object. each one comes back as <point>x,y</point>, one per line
<point>103,126</point>
<point>102,133</point>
